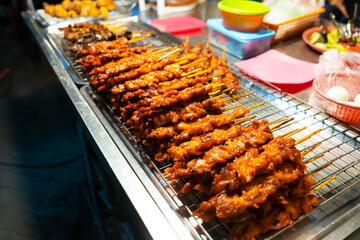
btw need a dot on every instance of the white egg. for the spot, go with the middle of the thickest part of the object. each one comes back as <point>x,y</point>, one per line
<point>355,104</point>
<point>357,98</point>
<point>338,94</point>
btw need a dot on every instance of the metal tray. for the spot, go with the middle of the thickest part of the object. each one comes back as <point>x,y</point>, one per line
<point>46,20</point>
<point>56,38</point>
<point>340,145</point>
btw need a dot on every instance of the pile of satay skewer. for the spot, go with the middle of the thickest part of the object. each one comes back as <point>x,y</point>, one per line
<point>178,100</point>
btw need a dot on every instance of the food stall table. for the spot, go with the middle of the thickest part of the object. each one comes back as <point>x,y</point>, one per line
<point>159,213</point>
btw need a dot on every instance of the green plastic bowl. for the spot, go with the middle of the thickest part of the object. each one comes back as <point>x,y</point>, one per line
<point>242,15</point>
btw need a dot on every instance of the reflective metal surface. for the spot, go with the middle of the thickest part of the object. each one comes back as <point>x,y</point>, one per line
<point>148,209</point>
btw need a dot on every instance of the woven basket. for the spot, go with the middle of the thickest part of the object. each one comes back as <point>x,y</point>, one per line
<point>344,111</point>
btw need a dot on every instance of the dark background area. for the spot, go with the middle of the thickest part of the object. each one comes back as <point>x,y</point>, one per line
<point>41,163</point>
<point>44,173</point>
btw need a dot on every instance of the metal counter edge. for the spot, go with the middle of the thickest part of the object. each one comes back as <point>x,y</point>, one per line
<point>153,217</point>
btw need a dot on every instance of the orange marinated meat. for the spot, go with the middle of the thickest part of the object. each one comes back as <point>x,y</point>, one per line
<point>243,169</point>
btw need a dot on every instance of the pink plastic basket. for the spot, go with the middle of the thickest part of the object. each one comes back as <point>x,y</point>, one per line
<point>344,111</point>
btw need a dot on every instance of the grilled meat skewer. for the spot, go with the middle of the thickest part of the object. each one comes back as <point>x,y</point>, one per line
<point>186,129</point>
<point>91,61</point>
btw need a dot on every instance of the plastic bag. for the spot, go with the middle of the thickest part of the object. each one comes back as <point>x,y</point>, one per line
<point>284,10</point>
<point>333,61</point>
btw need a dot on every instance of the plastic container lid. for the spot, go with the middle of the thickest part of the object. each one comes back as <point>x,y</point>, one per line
<point>217,24</point>
<point>243,7</point>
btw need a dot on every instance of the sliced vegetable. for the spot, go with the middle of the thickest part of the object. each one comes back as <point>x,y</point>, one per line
<point>320,45</point>
<point>334,35</point>
<point>333,39</point>
<point>315,37</point>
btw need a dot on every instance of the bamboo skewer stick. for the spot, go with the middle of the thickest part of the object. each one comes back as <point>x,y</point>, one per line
<point>281,120</point>
<point>294,132</point>
<point>199,73</point>
<point>257,105</point>
<point>216,92</point>
<point>307,137</point>
<point>187,39</point>
<point>172,52</point>
<point>245,118</point>
<point>188,73</point>
<point>282,123</point>
<point>147,46</point>
<point>227,89</point>
<point>147,35</point>
<point>220,96</point>
<point>215,85</point>
<point>231,99</point>
<point>216,75</point>
<point>310,149</point>
<point>195,62</point>
<point>162,50</point>
<point>320,169</point>
<point>207,43</point>
<point>314,158</point>
<point>135,39</point>
<point>185,58</point>
<point>322,184</point>
<point>221,84</point>
<point>181,62</point>
<point>290,132</point>
<point>230,108</point>
<point>141,34</point>
<point>242,120</point>
<point>223,53</point>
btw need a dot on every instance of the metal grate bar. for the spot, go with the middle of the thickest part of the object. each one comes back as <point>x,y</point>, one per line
<point>336,173</point>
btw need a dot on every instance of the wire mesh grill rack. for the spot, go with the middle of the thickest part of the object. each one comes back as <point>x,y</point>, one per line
<point>339,150</point>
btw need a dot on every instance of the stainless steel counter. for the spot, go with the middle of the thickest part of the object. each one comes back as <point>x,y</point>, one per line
<point>162,220</point>
<point>155,219</point>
